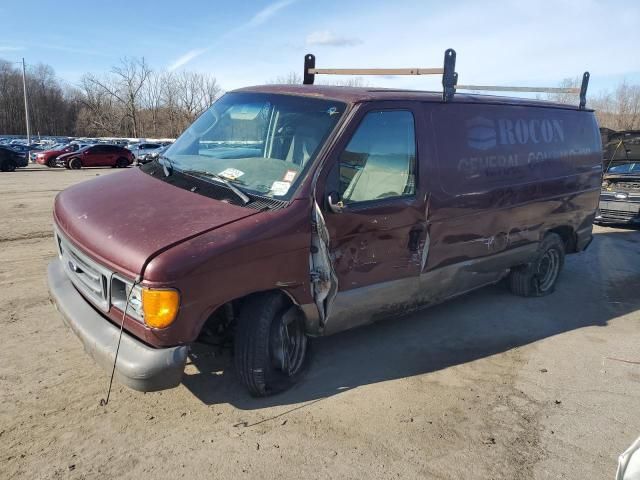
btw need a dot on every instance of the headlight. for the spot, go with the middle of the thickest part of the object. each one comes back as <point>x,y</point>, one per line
<point>120,290</point>
<point>157,308</point>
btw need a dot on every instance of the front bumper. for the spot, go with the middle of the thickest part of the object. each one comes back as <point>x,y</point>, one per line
<point>618,212</point>
<point>139,366</point>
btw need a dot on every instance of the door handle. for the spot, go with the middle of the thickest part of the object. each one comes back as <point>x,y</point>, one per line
<point>414,239</point>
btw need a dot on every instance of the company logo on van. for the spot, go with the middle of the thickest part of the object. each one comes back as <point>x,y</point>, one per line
<point>481,133</point>
<point>484,133</point>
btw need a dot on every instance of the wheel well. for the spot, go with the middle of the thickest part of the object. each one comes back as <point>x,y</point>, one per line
<point>568,236</point>
<point>219,327</point>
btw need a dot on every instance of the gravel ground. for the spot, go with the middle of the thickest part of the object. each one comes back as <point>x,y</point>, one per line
<point>486,386</point>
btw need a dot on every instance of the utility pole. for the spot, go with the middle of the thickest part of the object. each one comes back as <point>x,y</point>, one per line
<point>26,105</point>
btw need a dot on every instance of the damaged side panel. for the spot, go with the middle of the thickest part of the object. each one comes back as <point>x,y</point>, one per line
<point>324,281</point>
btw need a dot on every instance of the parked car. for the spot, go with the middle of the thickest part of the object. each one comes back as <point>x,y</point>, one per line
<point>141,150</point>
<point>148,157</point>
<point>97,156</point>
<point>287,212</point>
<point>24,149</point>
<point>49,157</point>
<point>10,159</point>
<point>620,197</point>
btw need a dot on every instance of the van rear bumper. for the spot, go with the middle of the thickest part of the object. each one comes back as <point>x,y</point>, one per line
<point>139,366</point>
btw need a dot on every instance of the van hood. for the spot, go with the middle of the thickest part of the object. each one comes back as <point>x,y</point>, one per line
<point>123,219</point>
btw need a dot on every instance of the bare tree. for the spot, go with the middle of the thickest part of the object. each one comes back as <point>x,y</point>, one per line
<point>130,77</point>
<point>627,106</point>
<point>567,98</point>
<point>152,100</point>
<point>620,109</point>
<point>196,92</point>
<point>294,78</point>
<point>291,78</point>
<point>53,109</point>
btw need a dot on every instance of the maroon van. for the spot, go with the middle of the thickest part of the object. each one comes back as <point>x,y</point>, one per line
<point>289,212</point>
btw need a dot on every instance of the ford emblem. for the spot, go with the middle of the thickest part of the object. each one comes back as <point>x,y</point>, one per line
<point>621,196</point>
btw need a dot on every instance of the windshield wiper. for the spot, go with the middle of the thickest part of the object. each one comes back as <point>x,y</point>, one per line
<point>214,176</point>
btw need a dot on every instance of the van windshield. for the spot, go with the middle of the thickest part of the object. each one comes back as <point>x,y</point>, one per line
<point>262,143</point>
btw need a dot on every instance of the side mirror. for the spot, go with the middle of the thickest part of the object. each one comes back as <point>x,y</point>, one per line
<point>335,202</point>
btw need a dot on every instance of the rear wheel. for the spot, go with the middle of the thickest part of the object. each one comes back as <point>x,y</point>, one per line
<point>75,164</point>
<point>540,276</point>
<point>8,165</point>
<point>122,163</point>
<point>270,344</point>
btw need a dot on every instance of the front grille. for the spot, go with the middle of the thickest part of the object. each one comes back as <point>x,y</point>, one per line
<point>617,215</point>
<point>91,278</point>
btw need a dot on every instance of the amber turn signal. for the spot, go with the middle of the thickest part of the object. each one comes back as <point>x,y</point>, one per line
<point>160,307</point>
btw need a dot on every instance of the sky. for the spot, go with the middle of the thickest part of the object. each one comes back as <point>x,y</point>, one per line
<point>242,43</point>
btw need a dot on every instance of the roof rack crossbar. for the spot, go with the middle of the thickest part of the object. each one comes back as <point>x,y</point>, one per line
<point>500,88</point>
<point>449,78</point>
<point>376,71</point>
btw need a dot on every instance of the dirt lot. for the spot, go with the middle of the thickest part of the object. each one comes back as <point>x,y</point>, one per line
<point>486,386</point>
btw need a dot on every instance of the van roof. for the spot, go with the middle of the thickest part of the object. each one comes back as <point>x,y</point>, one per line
<point>367,94</point>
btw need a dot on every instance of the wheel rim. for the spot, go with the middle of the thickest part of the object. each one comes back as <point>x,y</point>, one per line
<point>548,268</point>
<point>288,343</point>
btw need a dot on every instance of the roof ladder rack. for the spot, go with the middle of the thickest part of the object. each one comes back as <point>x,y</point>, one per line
<point>449,78</point>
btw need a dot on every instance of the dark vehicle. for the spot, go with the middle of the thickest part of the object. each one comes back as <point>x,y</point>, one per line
<point>10,159</point>
<point>97,156</point>
<point>620,197</point>
<point>141,150</point>
<point>24,149</point>
<point>149,157</point>
<point>287,212</point>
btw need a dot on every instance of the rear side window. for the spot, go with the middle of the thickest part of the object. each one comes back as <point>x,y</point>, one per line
<point>484,147</point>
<point>380,159</point>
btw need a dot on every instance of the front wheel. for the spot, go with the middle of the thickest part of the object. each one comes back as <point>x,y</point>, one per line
<point>270,344</point>
<point>8,166</point>
<point>75,164</point>
<point>539,277</point>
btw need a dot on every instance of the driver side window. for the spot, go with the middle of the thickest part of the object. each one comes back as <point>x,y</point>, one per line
<point>380,159</point>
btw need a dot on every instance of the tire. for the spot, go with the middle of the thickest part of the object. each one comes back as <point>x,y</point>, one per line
<point>260,346</point>
<point>122,163</point>
<point>51,163</point>
<point>539,277</point>
<point>75,164</point>
<point>8,165</point>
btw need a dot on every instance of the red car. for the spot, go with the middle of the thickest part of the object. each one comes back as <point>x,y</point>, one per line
<point>49,157</point>
<point>97,156</point>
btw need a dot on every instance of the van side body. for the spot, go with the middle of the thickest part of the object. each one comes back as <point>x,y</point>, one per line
<point>493,177</point>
